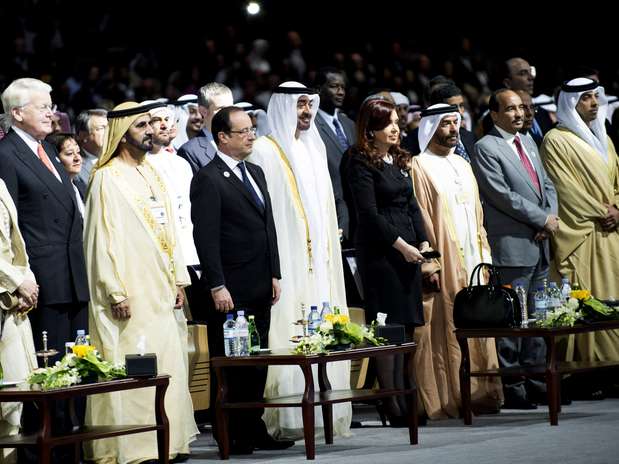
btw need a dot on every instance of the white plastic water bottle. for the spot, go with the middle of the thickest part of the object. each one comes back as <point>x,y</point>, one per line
<point>229,335</point>
<point>326,309</point>
<point>566,289</point>
<point>242,334</point>
<point>313,320</point>
<point>541,304</point>
<point>81,338</point>
<point>554,296</point>
<point>522,297</point>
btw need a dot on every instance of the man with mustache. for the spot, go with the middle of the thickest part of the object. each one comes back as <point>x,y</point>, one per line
<point>294,161</point>
<point>582,162</point>
<point>135,272</point>
<point>520,208</point>
<point>448,196</point>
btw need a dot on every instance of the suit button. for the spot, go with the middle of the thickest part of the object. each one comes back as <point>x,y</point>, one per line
<point>56,220</point>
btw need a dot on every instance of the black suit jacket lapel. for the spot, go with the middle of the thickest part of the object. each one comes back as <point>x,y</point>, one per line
<point>258,177</point>
<point>233,180</point>
<point>27,157</point>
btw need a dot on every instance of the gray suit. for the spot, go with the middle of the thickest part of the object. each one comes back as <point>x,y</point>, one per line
<point>334,158</point>
<point>514,212</point>
<point>198,151</point>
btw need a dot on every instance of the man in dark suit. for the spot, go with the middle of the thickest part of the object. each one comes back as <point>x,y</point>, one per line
<point>451,95</point>
<point>337,131</point>
<point>236,241</point>
<point>520,210</point>
<point>200,150</point>
<point>49,220</point>
<point>48,214</point>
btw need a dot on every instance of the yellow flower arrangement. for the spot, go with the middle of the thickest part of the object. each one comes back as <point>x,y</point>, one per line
<point>82,350</point>
<point>580,294</point>
<point>337,318</point>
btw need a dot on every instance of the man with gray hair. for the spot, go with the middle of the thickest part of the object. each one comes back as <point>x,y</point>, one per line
<point>49,220</point>
<point>90,128</point>
<point>200,150</point>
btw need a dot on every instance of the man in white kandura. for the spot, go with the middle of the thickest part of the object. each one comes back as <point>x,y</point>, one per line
<point>294,161</point>
<point>135,273</point>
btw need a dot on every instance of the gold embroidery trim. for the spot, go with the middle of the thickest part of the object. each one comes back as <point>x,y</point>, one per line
<point>297,197</point>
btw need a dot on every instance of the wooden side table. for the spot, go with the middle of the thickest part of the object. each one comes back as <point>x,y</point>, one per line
<point>552,371</point>
<point>309,399</point>
<point>43,439</point>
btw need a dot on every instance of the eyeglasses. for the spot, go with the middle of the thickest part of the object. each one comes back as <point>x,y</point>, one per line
<point>42,108</point>
<point>245,132</point>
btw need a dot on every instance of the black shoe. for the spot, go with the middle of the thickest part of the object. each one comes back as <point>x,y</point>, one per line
<point>180,457</point>
<point>397,421</point>
<point>519,404</point>
<point>267,442</point>
<point>241,447</point>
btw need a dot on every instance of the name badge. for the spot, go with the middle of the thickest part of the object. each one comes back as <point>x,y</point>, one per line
<point>159,213</point>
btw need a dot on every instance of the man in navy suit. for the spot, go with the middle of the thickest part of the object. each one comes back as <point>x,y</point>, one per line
<point>235,237</point>
<point>337,131</point>
<point>50,222</point>
<point>200,150</point>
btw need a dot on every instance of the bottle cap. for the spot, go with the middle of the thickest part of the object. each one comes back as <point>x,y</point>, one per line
<point>314,308</point>
<point>240,313</point>
<point>229,316</point>
<point>251,318</point>
<point>81,332</point>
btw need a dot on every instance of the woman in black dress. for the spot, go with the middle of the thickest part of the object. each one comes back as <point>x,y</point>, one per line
<point>390,234</point>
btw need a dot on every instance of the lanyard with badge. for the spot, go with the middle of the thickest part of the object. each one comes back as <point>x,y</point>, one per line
<point>157,207</point>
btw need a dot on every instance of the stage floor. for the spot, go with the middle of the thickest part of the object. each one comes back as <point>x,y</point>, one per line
<point>587,432</point>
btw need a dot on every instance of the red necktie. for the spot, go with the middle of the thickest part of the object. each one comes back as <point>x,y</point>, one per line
<point>45,159</point>
<point>527,164</point>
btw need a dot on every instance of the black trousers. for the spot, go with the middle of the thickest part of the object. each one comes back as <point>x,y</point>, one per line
<point>244,383</point>
<point>61,323</point>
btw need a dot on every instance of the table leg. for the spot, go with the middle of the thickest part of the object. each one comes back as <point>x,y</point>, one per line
<point>163,432</point>
<point>307,406</point>
<point>465,381</point>
<point>552,381</point>
<point>327,409</point>
<point>221,414</point>
<point>411,398</point>
<point>45,433</point>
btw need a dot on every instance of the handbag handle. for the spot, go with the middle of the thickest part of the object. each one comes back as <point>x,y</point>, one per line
<point>495,278</point>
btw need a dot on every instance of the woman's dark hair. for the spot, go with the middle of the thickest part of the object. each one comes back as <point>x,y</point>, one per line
<point>375,115</point>
<point>58,139</point>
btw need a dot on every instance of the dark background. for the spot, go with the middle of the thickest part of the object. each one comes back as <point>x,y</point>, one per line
<point>167,49</point>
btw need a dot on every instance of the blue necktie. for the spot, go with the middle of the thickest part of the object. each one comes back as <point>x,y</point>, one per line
<point>535,129</point>
<point>460,150</point>
<point>249,187</point>
<point>339,133</point>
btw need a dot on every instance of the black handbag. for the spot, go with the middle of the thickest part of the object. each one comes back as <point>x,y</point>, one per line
<point>486,306</point>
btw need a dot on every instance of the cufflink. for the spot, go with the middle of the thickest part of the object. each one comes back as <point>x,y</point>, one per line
<point>226,174</point>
